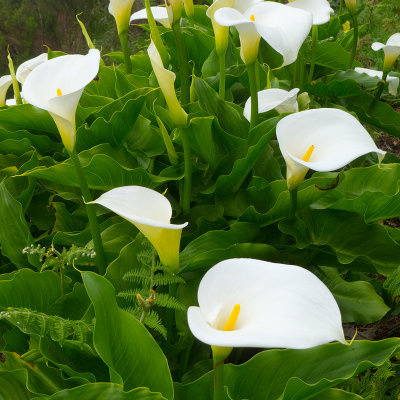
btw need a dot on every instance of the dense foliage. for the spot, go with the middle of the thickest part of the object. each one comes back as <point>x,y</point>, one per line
<point>71,329</point>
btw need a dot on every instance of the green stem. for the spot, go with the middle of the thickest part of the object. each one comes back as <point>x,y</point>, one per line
<point>219,381</point>
<point>187,186</point>
<point>123,38</point>
<point>222,62</point>
<point>98,244</point>
<point>183,63</point>
<point>155,35</point>
<point>251,70</point>
<point>355,40</point>
<point>314,36</point>
<point>301,68</point>
<point>293,203</point>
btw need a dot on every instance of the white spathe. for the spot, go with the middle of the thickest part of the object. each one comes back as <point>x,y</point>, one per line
<point>28,66</point>
<point>284,28</point>
<point>320,9</point>
<point>281,306</point>
<point>268,99</point>
<point>174,10</point>
<point>151,213</point>
<point>160,15</point>
<point>391,50</point>
<point>338,138</point>
<point>5,83</point>
<point>67,75</point>
<point>121,11</point>
<point>393,81</point>
<point>166,79</point>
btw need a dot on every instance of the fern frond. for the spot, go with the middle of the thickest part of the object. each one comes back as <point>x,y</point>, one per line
<point>166,278</point>
<point>392,285</point>
<point>152,320</point>
<point>141,276</point>
<point>59,329</point>
<point>167,301</point>
<point>130,295</point>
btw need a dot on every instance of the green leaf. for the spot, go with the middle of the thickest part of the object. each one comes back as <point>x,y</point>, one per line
<point>336,394</point>
<point>14,231</point>
<point>105,391</point>
<point>333,55</point>
<point>34,290</point>
<point>347,236</point>
<point>358,301</point>
<point>14,382</point>
<point>293,374</point>
<point>228,116</point>
<point>213,246</point>
<point>124,343</point>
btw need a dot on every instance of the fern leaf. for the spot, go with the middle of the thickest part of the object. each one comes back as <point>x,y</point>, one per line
<point>141,276</point>
<point>167,301</point>
<point>166,278</point>
<point>152,320</point>
<point>59,329</point>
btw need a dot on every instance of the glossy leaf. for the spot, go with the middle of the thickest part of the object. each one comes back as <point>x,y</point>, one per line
<point>134,355</point>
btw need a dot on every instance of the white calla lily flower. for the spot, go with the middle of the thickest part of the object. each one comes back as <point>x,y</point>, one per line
<point>268,99</point>
<point>5,83</point>
<point>57,85</point>
<point>174,10</point>
<point>393,81</point>
<point>28,66</point>
<point>320,9</point>
<point>166,79</point>
<point>11,102</point>
<point>121,11</point>
<point>284,28</point>
<point>323,139</point>
<point>160,15</point>
<point>391,50</point>
<point>221,33</point>
<point>151,213</point>
<point>272,305</point>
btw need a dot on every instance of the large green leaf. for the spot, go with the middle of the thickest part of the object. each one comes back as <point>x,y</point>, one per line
<point>105,391</point>
<point>14,231</point>
<point>358,301</point>
<point>34,290</point>
<point>213,246</point>
<point>293,374</point>
<point>228,116</point>
<point>336,394</point>
<point>332,55</point>
<point>347,236</point>
<point>124,343</point>
<point>13,382</point>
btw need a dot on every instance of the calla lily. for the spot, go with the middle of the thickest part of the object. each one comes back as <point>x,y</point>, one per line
<point>284,28</point>
<point>121,11</point>
<point>166,79</point>
<point>268,99</point>
<point>393,81</point>
<point>11,102</point>
<point>320,9</point>
<point>221,33</point>
<point>272,305</point>
<point>174,10</point>
<point>57,85</point>
<point>323,139</point>
<point>160,14</point>
<point>391,50</point>
<point>5,83</point>
<point>150,212</point>
<point>28,66</point>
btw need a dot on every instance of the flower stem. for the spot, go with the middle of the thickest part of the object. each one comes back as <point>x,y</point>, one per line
<point>251,70</point>
<point>222,62</point>
<point>183,63</point>
<point>219,380</point>
<point>293,203</point>
<point>187,185</point>
<point>314,36</point>
<point>381,86</point>
<point>123,38</point>
<point>98,244</point>
<point>355,40</point>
